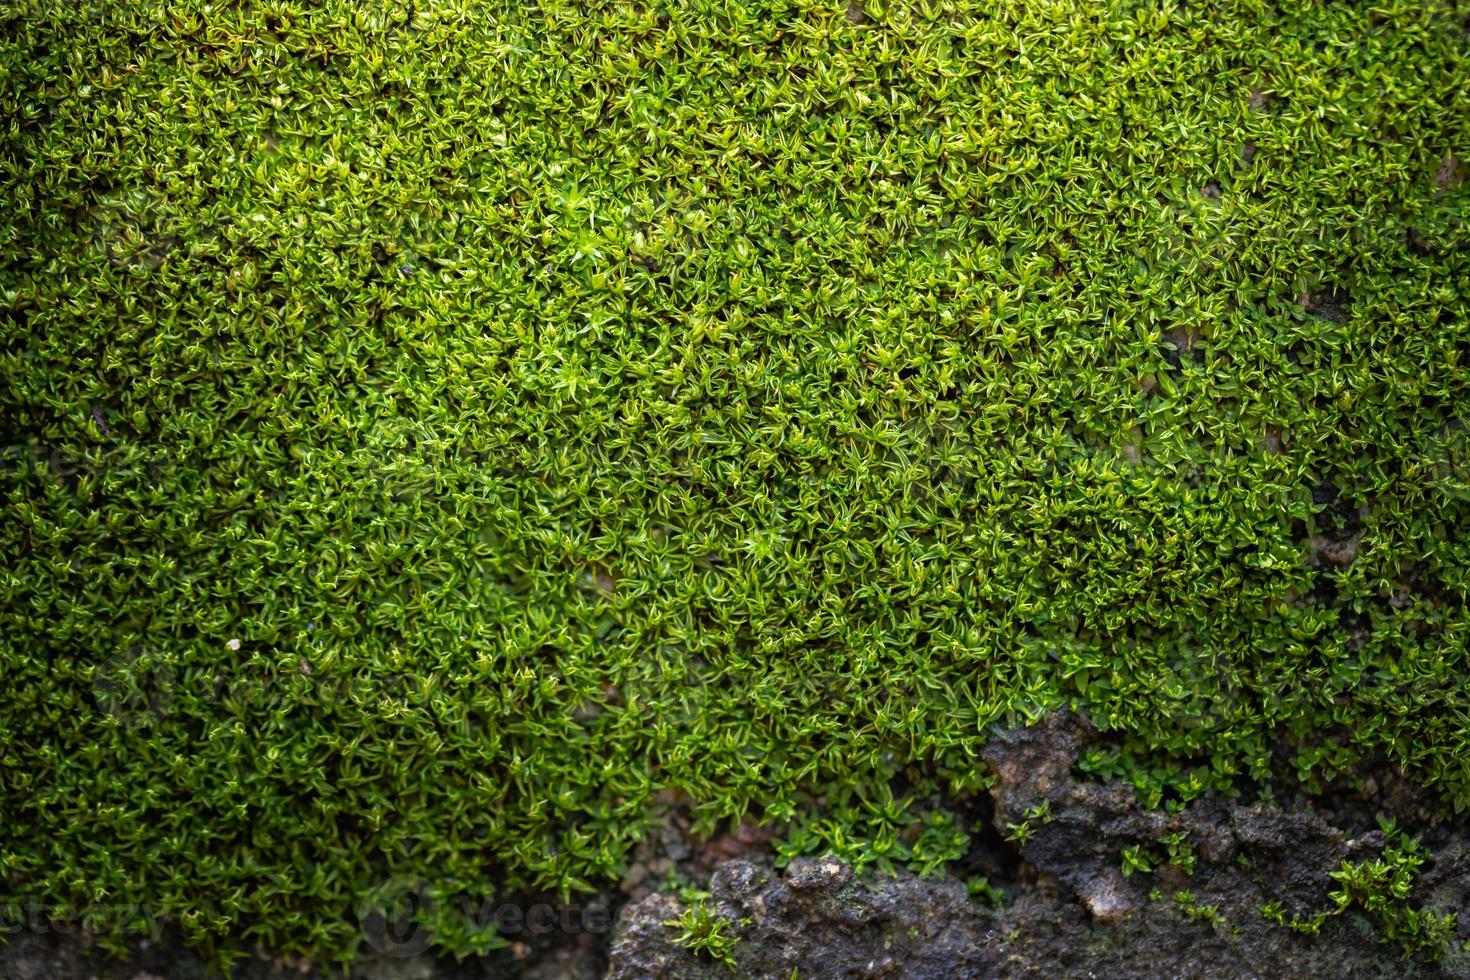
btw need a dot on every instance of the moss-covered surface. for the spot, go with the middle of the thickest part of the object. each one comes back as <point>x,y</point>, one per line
<point>430,429</point>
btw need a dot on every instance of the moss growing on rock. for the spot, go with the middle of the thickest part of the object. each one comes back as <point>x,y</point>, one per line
<point>432,429</point>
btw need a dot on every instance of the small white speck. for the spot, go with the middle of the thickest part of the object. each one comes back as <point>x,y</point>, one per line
<point>234,644</point>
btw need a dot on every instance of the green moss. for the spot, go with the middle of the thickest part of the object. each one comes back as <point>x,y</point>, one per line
<point>981,890</point>
<point>1195,911</point>
<point>703,931</point>
<point>431,430</point>
<point>1381,888</point>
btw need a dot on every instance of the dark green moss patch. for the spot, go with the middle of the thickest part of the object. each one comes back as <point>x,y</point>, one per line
<point>432,429</point>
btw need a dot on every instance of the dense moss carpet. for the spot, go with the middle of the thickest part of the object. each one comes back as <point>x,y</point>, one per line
<point>431,429</point>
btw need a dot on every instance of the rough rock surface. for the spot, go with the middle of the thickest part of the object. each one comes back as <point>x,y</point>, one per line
<point>816,922</point>
<point>1068,909</point>
<point>1071,912</point>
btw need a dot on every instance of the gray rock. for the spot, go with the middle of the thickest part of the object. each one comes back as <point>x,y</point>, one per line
<point>1072,913</point>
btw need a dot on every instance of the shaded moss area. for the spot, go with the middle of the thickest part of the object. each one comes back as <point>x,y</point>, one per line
<point>431,431</point>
